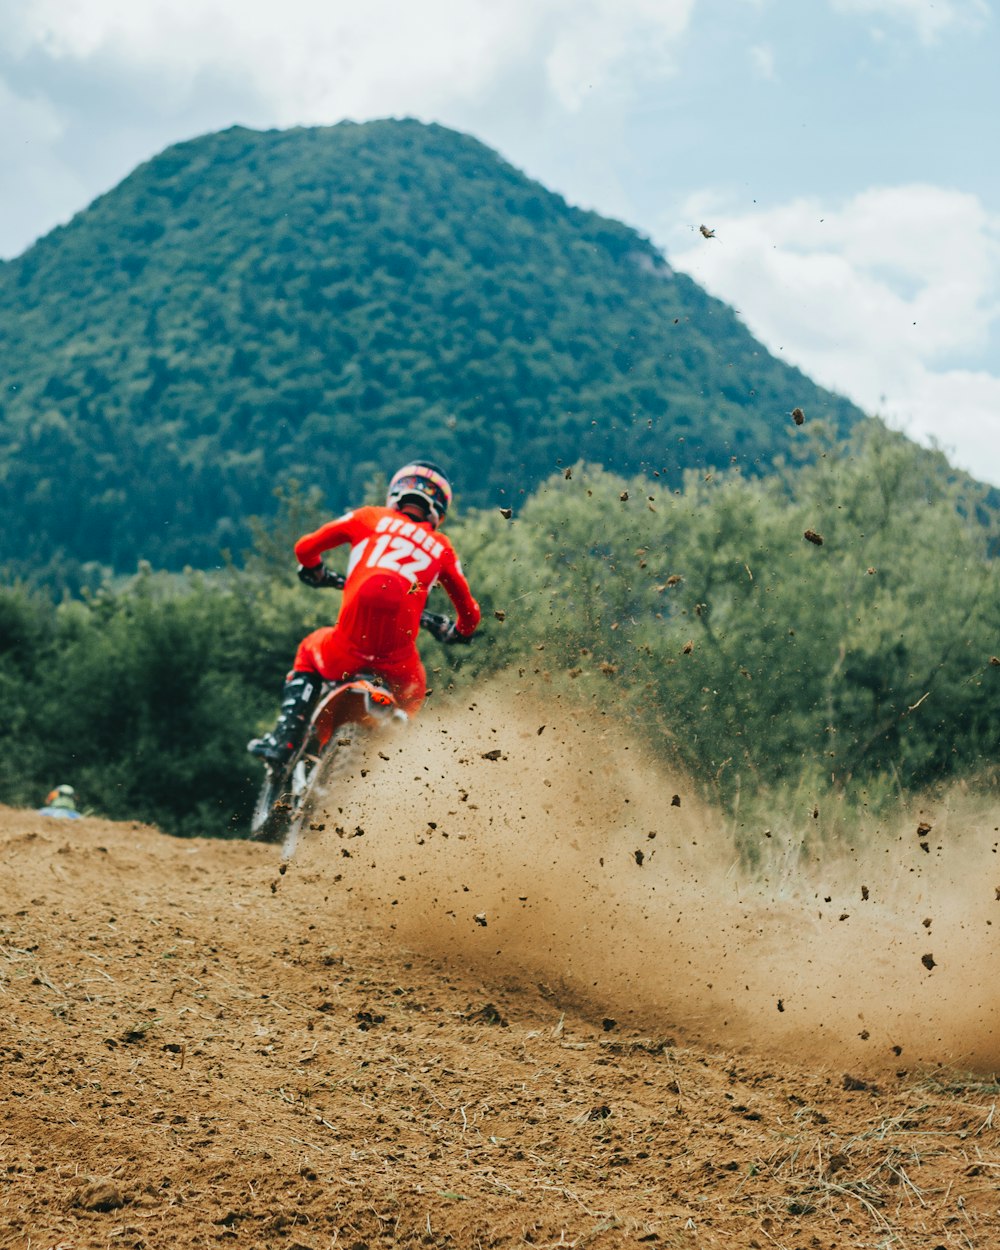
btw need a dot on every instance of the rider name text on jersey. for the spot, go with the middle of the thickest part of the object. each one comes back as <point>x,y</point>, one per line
<point>407,529</point>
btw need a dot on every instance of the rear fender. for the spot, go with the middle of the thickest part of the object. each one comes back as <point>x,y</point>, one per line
<point>358,700</point>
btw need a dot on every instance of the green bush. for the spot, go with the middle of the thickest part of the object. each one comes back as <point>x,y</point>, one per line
<point>745,649</point>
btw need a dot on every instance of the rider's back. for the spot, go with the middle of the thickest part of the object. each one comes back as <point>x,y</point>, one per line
<point>393,563</point>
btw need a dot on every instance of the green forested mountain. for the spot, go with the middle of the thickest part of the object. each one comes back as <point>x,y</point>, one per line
<point>316,304</point>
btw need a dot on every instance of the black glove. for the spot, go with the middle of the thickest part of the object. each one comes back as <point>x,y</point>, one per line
<point>449,635</point>
<point>437,626</point>
<point>314,576</point>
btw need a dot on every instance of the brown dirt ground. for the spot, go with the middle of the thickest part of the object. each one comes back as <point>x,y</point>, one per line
<point>466,1014</point>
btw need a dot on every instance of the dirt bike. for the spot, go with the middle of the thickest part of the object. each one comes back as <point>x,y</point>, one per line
<point>345,713</point>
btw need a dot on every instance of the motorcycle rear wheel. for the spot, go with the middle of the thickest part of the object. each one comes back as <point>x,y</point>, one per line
<point>331,767</point>
<point>272,809</point>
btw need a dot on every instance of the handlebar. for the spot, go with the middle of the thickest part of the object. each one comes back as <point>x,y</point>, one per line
<point>437,624</point>
<point>327,580</point>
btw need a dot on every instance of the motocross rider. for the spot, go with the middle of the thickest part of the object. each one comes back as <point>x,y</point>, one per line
<point>397,554</point>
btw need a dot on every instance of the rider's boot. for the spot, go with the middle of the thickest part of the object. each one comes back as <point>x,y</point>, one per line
<point>297,701</point>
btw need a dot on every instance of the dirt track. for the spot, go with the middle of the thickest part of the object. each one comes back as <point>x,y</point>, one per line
<point>416,1036</point>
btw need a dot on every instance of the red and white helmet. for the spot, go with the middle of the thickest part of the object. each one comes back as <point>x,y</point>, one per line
<point>424,484</point>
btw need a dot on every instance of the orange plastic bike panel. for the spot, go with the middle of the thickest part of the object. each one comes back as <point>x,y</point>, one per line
<point>347,703</point>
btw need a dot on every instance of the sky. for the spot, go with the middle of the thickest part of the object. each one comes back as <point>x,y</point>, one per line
<point>846,153</point>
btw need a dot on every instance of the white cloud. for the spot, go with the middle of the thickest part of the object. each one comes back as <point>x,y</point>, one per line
<point>597,38</point>
<point>320,60</point>
<point>930,18</point>
<point>959,411</point>
<point>890,298</point>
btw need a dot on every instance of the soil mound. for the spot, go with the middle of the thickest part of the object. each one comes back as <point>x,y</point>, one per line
<point>510,993</point>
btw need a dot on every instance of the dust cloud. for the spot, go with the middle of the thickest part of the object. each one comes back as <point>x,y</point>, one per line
<point>533,841</point>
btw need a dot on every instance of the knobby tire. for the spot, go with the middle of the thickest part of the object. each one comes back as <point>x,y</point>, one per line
<point>332,766</point>
<point>284,801</point>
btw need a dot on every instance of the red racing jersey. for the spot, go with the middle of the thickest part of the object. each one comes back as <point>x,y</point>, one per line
<point>393,563</point>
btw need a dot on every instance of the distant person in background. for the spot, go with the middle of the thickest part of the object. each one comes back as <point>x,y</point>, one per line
<point>397,553</point>
<point>61,802</point>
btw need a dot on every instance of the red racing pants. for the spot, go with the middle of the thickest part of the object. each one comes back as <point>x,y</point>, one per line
<point>328,653</point>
